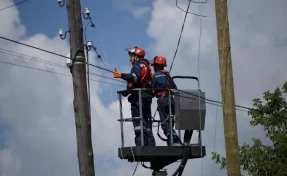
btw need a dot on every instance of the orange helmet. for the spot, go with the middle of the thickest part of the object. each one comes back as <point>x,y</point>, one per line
<point>158,60</point>
<point>137,51</point>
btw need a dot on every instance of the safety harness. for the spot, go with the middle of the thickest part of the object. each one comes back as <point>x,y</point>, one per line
<point>160,95</point>
<point>163,93</point>
<point>143,82</point>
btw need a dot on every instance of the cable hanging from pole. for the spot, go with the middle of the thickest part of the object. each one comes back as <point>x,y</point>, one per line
<point>53,53</point>
<point>179,37</point>
<point>20,55</point>
<point>99,56</point>
<point>191,12</point>
<point>215,101</point>
<point>15,4</point>
<point>210,101</point>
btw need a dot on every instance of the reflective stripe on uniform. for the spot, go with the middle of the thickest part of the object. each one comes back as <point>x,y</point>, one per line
<point>135,77</point>
<point>137,128</point>
<point>161,75</point>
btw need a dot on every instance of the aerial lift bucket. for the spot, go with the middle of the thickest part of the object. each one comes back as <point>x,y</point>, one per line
<point>186,118</point>
<point>190,109</point>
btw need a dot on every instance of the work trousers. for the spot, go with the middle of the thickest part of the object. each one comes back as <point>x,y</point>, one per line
<point>147,126</point>
<point>163,110</point>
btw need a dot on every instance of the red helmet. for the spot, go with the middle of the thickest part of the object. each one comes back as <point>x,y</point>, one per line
<point>159,60</point>
<point>137,51</point>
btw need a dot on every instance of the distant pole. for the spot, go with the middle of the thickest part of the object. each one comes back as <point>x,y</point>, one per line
<point>81,106</point>
<point>227,89</point>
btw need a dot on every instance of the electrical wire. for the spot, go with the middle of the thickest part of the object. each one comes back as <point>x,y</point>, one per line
<point>95,65</point>
<point>179,37</point>
<point>214,101</point>
<point>99,56</point>
<point>106,65</point>
<point>188,133</point>
<point>95,49</point>
<point>199,104</point>
<point>199,2</point>
<point>50,52</point>
<point>93,26</point>
<point>105,55</point>
<point>88,82</point>
<point>187,9</point>
<point>216,117</point>
<point>48,71</point>
<point>20,55</point>
<point>135,169</point>
<point>243,107</point>
<point>15,4</point>
<point>85,31</point>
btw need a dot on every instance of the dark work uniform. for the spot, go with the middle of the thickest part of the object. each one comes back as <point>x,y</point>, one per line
<point>162,80</point>
<point>140,77</point>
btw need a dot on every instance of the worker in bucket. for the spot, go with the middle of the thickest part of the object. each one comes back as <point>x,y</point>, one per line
<point>139,77</point>
<point>161,82</point>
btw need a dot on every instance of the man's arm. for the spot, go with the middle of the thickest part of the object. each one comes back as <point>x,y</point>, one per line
<point>133,75</point>
<point>173,84</point>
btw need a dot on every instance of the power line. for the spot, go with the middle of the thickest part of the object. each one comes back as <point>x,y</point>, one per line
<point>191,12</point>
<point>215,101</point>
<point>99,56</point>
<point>12,53</point>
<point>198,67</point>
<point>15,4</point>
<point>180,36</point>
<point>48,71</point>
<point>212,102</point>
<point>95,65</point>
<point>199,2</point>
<point>106,58</point>
<point>135,169</point>
<point>50,52</point>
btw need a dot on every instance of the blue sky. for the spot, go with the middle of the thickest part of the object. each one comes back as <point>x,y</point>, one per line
<point>118,29</point>
<point>41,123</point>
<point>116,25</point>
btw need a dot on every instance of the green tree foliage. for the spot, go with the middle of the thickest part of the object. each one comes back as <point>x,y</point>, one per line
<point>259,159</point>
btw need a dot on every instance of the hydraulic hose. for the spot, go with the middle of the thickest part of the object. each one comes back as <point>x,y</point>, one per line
<point>187,139</point>
<point>187,136</point>
<point>183,162</point>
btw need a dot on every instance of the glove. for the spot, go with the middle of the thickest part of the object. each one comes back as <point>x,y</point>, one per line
<point>117,74</point>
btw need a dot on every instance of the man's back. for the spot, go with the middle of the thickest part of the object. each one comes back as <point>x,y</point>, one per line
<point>141,72</point>
<point>162,80</point>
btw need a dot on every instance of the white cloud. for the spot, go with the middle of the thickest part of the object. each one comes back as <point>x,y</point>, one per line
<point>141,11</point>
<point>10,165</point>
<point>138,8</point>
<point>37,106</point>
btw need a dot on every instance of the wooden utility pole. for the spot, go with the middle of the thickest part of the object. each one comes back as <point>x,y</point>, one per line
<point>227,89</point>
<point>81,105</point>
